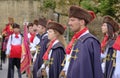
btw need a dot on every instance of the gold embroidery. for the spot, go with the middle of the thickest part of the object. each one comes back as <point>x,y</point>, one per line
<point>74,57</point>
<point>76,50</point>
<point>114,63</point>
<point>108,57</point>
<point>114,58</point>
<point>69,59</point>
<point>50,62</point>
<point>63,63</point>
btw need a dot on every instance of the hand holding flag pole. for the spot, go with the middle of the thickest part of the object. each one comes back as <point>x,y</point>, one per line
<point>25,63</point>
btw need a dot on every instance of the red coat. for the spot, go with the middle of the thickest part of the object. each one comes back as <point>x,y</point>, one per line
<point>8,30</point>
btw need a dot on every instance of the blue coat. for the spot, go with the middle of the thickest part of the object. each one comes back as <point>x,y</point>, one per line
<point>58,54</point>
<point>39,61</point>
<point>87,63</point>
<point>109,68</point>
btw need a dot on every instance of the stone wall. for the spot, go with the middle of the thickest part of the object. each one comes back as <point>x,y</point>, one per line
<point>20,10</point>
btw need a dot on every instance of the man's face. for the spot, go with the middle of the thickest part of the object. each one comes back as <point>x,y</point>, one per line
<point>35,28</point>
<point>16,30</point>
<point>31,29</point>
<point>11,21</point>
<point>74,24</point>
<point>40,29</point>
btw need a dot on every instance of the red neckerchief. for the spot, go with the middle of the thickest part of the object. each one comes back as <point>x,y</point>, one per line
<point>74,38</point>
<point>32,37</point>
<point>104,42</point>
<point>16,35</point>
<point>116,45</point>
<point>45,57</point>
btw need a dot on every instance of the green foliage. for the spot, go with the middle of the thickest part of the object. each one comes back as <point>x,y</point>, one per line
<point>49,4</point>
<point>117,8</point>
<point>106,7</point>
<point>89,5</point>
<point>61,2</point>
<point>74,2</point>
<point>70,34</point>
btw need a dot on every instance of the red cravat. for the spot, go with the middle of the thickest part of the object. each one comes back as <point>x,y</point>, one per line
<point>74,38</point>
<point>45,57</point>
<point>32,37</point>
<point>16,35</point>
<point>104,42</point>
<point>116,45</point>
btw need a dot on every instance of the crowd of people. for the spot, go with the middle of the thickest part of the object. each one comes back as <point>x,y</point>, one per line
<point>83,57</point>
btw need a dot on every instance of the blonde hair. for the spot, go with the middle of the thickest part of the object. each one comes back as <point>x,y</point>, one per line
<point>61,38</point>
<point>11,19</point>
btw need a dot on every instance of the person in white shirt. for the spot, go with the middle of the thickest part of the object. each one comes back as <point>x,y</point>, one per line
<point>14,51</point>
<point>31,36</point>
<point>42,35</point>
<point>110,48</point>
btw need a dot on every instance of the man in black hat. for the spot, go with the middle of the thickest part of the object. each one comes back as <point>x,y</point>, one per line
<point>83,51</point>
<point>43,36</point>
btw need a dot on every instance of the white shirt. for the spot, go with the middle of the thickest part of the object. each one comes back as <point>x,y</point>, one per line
<point>29,35</point>
<point>116,73</point>
<point>13,41</point>
<point>33,45</point>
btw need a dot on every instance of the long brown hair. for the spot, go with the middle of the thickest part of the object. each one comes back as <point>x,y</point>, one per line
<point>111,33</point>
<point>60,38</point>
